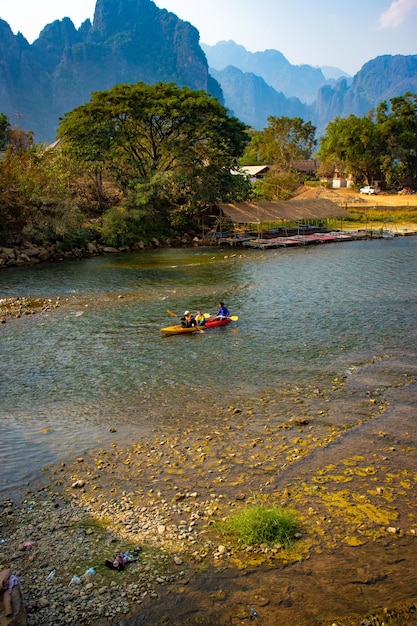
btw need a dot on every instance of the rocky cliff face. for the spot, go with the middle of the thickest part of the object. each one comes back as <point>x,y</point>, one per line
<point>302,90</point>
<point>133,40</point>
<point>380,79</point>
<point>128,41</point>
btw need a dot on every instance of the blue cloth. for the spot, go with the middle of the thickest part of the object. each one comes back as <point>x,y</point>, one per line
<point>223,312</point>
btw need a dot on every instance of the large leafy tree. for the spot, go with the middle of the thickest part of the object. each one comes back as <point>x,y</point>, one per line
<point>379,147</point>
<point>37,199</point>
<point>353,144</point>
<point>280,145</point>
<point>398,127</point>
<point>165,146</point>
<point>287,140</point>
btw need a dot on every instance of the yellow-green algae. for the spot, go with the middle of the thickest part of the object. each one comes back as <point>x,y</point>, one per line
<point>358,511</point>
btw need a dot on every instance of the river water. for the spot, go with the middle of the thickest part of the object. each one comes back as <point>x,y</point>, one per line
<point>306,316</point>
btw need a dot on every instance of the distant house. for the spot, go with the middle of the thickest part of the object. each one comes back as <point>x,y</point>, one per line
<point>253,172</point>
<point>339,180</point>
<point>308,167</point>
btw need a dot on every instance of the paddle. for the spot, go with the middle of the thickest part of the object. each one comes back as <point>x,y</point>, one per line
<point>234,318</point>
<point>206,315</point>
<point>200,330</point>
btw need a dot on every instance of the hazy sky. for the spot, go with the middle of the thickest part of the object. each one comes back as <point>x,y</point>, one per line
<point>317,32</point>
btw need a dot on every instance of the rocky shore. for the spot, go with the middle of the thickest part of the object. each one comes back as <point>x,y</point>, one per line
<point>343,458</point>
<point>161,499</point>
<point>27,253</point>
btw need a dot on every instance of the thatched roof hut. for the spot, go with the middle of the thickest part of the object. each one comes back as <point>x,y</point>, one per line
<point>285,210</point>
<point>310,205</point>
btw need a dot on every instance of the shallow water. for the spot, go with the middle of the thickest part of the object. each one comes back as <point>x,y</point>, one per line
<point>305,316</point>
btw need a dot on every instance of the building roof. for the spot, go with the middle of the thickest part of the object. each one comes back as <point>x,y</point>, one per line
<point>254,170</point>
<point>310,204</point>
<point>285,210</point>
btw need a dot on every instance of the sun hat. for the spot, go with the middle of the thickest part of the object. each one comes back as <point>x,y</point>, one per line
<point>187,313</point>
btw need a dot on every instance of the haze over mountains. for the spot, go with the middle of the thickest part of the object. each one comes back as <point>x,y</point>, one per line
<point>133,40</point>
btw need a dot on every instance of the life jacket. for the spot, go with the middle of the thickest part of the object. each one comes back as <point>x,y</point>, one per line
<point>200,319</point>
<point>190,320</point>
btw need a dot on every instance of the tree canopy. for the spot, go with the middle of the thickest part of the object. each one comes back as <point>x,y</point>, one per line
<point>381,147</point>
<point>280,145</point>
<point>4,127</point>
<point>144,133</point>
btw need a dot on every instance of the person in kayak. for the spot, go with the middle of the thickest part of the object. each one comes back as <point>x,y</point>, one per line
<point>188,320</point>
<point>200,319</point>
<point>223,311</point>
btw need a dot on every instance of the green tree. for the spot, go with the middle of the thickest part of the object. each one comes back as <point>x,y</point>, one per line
<point>397,124</point>
<point>144,134</point>
<point>36,197</point>
<point>254,153</point>
<point>283,142</point>
<point>4,128</point>
<point>288,140</point>
<point>280,145</point>
<point>353,144</point>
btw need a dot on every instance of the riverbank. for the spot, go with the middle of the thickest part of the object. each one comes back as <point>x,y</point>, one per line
<point>28,253</point>
<point>342,457</point>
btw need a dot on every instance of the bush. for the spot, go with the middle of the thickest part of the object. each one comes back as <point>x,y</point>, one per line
<point>125,225</point>
<point>318,183</point>
<point>261,524</point>
<point>76,238</point>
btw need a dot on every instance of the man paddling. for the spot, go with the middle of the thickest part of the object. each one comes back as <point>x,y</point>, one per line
<point>223,311</point>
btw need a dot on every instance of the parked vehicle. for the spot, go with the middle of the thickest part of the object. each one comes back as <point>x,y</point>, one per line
<point>367,189</point>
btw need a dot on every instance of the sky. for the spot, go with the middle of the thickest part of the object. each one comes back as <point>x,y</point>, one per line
<point>317,32</point>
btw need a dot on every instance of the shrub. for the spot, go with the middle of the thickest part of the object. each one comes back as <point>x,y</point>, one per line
<point>261,524</point>
<point>75,238</point>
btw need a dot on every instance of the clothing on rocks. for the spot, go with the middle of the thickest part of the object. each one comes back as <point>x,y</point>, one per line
<point>121,560</point>
<point>7,582</point>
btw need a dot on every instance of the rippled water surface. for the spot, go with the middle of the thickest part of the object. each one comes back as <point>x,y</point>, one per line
<point>305,315</point>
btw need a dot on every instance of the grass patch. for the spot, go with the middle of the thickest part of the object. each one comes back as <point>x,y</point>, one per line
<point>262,524</point>
<point>392,214</point>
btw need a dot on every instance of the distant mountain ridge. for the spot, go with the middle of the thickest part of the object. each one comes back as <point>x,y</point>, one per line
<point>252,100</point>
<point>300,81</point>
<point>133,40</point>
<point>379,79</point>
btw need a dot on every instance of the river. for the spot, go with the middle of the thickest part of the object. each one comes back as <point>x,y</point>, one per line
<point>100,364</point>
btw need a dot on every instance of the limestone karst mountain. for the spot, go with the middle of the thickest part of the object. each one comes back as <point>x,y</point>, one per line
<point>128,41</point>
<point>133,40</point>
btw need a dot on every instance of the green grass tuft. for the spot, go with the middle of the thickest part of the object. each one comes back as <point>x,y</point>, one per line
<point>257,525</point>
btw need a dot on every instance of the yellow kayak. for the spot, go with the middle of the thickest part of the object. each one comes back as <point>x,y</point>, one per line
<point>210,323</point>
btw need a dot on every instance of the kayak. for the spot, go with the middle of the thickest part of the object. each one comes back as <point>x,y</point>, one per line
<point>210,323</point>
